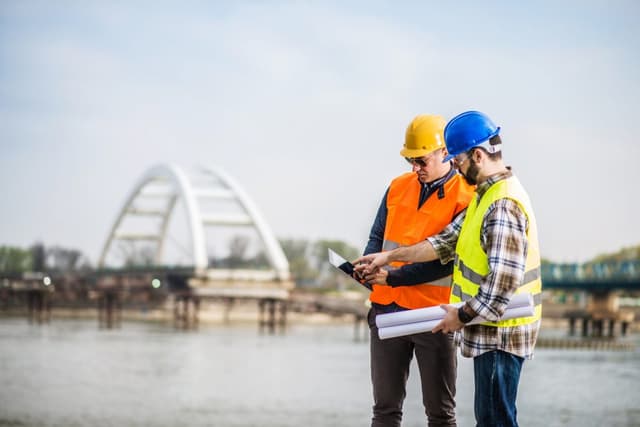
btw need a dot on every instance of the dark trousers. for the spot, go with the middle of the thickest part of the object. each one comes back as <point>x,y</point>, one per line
<point>497,375</point>
<point>437,362</point>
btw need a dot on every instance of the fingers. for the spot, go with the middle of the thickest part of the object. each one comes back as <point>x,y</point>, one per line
<point>368,266</point>
<point>361,276</point>
<point>450,322</point>
<point>379,277</point>
<point>371,270</point>
<point>439,327</point>
<point>362,265</point>
<point>373,276</point>
<point>364,259</point>
<point>359,265</point>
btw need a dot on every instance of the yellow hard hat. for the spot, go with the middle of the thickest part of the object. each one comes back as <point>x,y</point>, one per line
<point>424,135</point>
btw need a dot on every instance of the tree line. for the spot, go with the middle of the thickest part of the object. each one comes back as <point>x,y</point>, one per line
<point>37,257</point>
<point>308,260</point>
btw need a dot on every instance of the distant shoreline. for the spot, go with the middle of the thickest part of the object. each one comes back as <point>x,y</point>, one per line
<point>248,313</point>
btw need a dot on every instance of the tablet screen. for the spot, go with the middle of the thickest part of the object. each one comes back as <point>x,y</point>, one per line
<point>345,266</point>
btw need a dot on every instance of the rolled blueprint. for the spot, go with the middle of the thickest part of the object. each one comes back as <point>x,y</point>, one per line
<point>426,326</point>
<point>437,313</point>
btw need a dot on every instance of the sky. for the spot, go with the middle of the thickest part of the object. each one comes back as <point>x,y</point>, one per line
<point>305,105</point>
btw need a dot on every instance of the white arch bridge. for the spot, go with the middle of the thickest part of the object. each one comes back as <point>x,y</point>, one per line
<point>212,200</point>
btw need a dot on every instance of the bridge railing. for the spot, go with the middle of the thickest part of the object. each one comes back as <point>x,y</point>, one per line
<point>602,271</point>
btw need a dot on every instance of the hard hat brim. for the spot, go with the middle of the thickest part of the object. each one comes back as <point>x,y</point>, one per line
<point>414,153</point>
<point>407,152</point>
<point>484,144</point>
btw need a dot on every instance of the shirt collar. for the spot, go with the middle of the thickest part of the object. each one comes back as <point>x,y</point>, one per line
<point>484,186</point>
<point>440,181</point>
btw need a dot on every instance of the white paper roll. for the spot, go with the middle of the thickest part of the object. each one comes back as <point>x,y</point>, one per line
<point>426,326</point>
<point>407,329</point>
<point>521,300</point>
<point>435,312</point>
<point>411,316</point>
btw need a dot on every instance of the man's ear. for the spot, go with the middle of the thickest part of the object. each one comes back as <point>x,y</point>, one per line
<point>476,154</point>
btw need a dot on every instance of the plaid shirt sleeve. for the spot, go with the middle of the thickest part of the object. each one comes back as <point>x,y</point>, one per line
<point>444,243</point>
<point>504,239</point>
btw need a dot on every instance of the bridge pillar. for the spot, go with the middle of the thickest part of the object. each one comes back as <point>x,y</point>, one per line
<point>604,301</point>
<point>228,302</point>
<point>283,314</point>
<point>572,326</point>
<point>276,310</point>
<point>604,307</point>
<point>38,306</point>
<point>598,328</point>
<point>109,309</point>
<point>360,324</point>
<point>601,316</point>
<point>585,326</point>
<point>186,309</point>
<point>623,328</point>
<point>612,325</point>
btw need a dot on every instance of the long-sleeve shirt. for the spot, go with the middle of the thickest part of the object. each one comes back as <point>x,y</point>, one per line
<point>415,273</point>
<point>504,240</point>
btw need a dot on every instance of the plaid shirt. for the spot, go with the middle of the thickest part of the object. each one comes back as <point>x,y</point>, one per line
<point>504,240</point>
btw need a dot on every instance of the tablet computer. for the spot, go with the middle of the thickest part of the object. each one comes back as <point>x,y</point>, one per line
<point>345,266</point>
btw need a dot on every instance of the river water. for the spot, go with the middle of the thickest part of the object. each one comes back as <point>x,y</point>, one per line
<point>69,373</point>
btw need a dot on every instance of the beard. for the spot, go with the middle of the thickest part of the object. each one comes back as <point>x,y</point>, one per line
<point>472,173</point>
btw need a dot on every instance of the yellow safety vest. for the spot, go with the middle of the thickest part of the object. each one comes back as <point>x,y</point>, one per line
<point>471,263</point>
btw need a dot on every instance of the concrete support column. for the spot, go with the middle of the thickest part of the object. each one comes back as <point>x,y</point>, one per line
<point>109,309</point>
<point>270,316</point>
<point>572,326</point>
<point>585,326</point>
<point>38,306</point>
<point>186,309</point>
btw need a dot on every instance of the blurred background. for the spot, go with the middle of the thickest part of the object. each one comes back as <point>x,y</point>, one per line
<point>174,172</point>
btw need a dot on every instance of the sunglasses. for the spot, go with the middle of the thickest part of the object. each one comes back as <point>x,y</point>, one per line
<point>416,161</point>
<point>459,162</point>
<point>420,161</point>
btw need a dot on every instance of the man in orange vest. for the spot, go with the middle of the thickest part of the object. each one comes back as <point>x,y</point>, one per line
<point>417,205</point>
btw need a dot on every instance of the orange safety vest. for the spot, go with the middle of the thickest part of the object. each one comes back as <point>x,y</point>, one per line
<point>407,224</point>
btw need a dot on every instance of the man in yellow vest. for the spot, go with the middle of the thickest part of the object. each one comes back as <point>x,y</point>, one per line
<point>494,246</point>
<point>417,204</point>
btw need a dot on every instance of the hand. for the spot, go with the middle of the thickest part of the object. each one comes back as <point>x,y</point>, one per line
<point>379,277</point>
<point>451,322</point>
<point>369,264</point>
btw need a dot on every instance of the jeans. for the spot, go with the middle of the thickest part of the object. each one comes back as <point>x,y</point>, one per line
<point>437,362</point>
<point>497,375</point>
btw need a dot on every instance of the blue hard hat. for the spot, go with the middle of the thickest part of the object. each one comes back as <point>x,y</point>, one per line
<point>468,130</point>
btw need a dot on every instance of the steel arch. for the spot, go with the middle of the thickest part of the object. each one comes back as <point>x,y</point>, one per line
<point>183,189</point>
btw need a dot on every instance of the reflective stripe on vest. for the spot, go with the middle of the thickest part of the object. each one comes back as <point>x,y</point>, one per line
<point>457,291</point>
<point>407,224</point>
<point>469,274</point>
<point>388,245</point>
<point>471,264</point>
